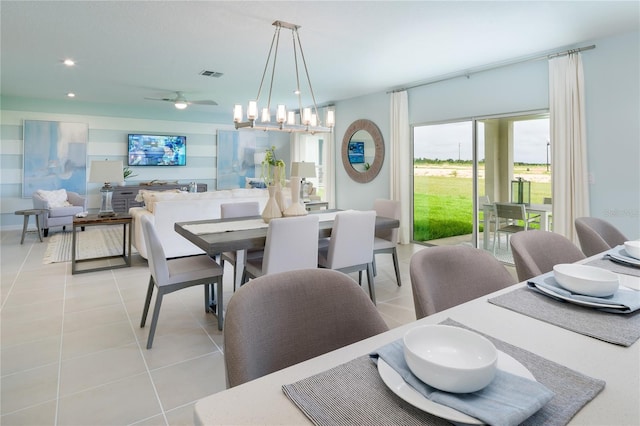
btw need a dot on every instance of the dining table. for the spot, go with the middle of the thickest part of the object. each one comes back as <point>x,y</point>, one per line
<point>215,236</point>
<point>569,357</point>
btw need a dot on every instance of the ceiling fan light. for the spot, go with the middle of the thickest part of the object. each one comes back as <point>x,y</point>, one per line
<point>180,104</point>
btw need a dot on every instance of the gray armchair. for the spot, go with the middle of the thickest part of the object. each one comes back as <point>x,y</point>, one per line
<point>59,216</point>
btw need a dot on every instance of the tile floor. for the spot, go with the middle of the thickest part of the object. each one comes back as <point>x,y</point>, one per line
<point>73,353</point>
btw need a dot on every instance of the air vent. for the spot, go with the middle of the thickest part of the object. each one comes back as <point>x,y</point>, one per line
<point>211,73</point>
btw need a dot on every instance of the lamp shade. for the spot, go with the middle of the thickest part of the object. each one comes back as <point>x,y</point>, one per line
<point>106,171</point>
<point>303,169</point>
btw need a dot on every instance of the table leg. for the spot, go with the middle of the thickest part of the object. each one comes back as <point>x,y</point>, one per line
<point>38,226</point>
<point>25,224</point>
<point>73,249</point>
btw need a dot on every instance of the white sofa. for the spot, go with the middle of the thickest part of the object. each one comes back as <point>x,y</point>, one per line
<point>165,209</point>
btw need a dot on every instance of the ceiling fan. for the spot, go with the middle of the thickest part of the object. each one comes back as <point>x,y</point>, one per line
<point>180,102</point>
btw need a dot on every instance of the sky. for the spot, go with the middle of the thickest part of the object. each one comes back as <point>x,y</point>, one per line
<point>453,140</point>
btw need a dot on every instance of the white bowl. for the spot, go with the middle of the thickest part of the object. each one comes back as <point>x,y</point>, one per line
<point>587,280</point>
<point>450,358</point>
<point>632,248</point>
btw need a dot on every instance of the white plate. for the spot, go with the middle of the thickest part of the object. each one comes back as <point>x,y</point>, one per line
<point>581,302</point>
<point>396,383</point>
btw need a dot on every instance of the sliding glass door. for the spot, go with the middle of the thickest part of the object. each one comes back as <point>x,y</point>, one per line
<point>461,168</point>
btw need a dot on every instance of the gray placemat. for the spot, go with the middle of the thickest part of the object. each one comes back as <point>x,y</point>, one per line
<point>354,394</point>
<point>612,266</point>
<point>621,329</point>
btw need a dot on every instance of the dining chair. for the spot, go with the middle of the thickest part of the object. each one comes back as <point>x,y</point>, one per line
<point>175,274</point>
<point>510,218</point>
<point>282,319</point>
<point>350,247</point>
<point>537,252</point>
<point>386,240</point>
<point>237,210</point>
<point>291,244</point>
<point>446,276</point>
<point>597,235</point>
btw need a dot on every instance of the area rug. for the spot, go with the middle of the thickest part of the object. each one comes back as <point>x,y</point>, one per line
<point>93,242</point>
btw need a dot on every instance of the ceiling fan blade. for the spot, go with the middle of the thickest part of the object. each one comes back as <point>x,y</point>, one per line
<point>160,99</point>
<point>203,102</point>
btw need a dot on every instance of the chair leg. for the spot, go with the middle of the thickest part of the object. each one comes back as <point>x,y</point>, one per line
<point>395,266</point>
<point>360,277</point>
<point>147,302</point>
<point>372,291</point>
<point>45,232</point>
<point>375,270</point>
<point>154,319</point>
<point>207,299</point>
<point>219,304</point>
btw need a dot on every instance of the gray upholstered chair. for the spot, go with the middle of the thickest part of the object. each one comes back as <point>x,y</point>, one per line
<point>597,235</point>
<point>537,252</point>
<point>282,319</point>
<point>446,276</point>
<point>350,247</point>
<point>291,244</point>
<point>386,240</point>
<point>56,213</point>
<point>237,210</point>
<point>175,274</point>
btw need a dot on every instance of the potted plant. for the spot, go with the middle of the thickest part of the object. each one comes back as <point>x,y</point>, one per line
<point>126,173</point>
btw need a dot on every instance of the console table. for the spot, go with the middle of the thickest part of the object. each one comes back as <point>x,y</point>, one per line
<point>124,197</point>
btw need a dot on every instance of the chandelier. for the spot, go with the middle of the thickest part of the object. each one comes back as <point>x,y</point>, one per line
<point>288,120</point>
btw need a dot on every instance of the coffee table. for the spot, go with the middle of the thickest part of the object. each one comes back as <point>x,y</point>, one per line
<point>28,213</point>
<point>95,220</point>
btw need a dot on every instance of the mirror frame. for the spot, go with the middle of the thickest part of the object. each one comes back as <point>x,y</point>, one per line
<point>370,127</point>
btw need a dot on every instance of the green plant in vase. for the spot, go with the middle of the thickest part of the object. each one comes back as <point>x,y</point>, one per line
<point>127,173</point>
<point>272,168</point>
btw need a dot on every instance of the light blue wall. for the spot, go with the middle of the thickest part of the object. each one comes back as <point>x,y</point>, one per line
<point>613,129</point>
<point>612,88</point>
<point>108,140</point>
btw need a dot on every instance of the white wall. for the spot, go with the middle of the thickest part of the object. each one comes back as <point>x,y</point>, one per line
<point>612,87</point>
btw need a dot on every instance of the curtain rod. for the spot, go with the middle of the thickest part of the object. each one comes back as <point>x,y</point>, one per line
<point>468,73</point>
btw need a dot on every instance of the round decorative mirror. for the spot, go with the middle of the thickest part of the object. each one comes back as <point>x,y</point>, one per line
<point>362,150</point>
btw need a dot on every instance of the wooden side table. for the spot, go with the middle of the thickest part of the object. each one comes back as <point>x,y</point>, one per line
<point>28,213</point>
<point>94,220</point>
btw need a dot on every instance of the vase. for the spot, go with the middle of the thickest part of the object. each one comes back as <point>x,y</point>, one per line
<point>296,208</point>
<point>279,196</point>
<point>271,209</point>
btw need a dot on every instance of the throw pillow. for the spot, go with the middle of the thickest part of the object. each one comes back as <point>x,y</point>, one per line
<point>56,198</point>
<point>254,183</point>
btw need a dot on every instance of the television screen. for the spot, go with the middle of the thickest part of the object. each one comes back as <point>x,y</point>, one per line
<point>157,150</point>
<point>356,152</point>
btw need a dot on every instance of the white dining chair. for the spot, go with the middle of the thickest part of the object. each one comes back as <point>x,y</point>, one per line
<point>175,274</point>
<point>350,248</point>
<point>291,244</point>
<point>237,210</point>
<point>386,240</point>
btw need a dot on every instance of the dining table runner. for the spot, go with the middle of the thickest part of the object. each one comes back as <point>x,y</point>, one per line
<point>354,394</point>
<point>241,225</point>
<point>620,329</point>
<point>606,263</point>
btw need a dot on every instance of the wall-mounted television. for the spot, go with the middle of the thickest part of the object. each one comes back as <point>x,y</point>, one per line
<point>157,150</point>
<point>356,152</point>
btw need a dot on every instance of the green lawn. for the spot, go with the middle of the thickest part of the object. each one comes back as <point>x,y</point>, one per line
<point>443,205</point>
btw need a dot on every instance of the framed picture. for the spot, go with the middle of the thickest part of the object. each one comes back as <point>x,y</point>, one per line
<point>356,152</point>
<point>237,160</point>
<point>54,156</point>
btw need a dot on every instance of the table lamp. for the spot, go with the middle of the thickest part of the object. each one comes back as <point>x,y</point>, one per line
<point>303,170</point>
<point>106,172</point>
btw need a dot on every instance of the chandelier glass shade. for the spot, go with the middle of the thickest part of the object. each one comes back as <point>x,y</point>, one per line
<point>305,119</point>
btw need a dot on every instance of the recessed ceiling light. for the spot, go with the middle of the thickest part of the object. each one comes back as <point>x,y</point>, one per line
<point>71,95</point>
<point>69,62</point>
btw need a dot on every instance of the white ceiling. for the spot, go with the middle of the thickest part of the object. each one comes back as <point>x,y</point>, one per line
<point>129,50</point>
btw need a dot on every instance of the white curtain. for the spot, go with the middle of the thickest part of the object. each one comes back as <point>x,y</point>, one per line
<point>400,160</point>
<point>570,189</point>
